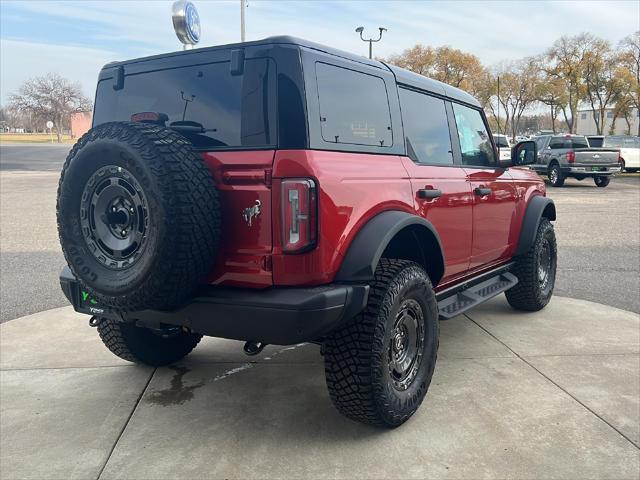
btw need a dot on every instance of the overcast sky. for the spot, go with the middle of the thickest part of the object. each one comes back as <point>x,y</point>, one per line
<point>75,38</point>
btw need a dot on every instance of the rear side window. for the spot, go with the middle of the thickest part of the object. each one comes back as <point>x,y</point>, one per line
<point>426,129</point>
<point>354,107</point>
<point>556,143</point>
<point>208,105</point>
<point>475,143</point>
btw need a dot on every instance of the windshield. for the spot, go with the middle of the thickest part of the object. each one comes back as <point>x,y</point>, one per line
<point>622,142</point>
<point>206,103</point>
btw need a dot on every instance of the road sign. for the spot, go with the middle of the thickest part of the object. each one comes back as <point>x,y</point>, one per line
<point>49,124</point>
<point>186,22</point>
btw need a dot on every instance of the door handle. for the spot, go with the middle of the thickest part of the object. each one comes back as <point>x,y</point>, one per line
<point>482,191</point>
<point>427,193</point>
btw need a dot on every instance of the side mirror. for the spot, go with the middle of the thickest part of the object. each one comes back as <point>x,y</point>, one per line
<point>524,153</point>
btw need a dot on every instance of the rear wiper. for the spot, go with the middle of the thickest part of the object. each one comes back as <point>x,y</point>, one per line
<point>190,126</point>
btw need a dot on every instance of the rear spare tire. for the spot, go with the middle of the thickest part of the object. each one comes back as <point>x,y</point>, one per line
<point>138,215</point>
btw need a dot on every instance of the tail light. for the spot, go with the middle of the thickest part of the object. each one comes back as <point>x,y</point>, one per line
<point>299,215</point>
<point>571,157</point>
<point>620,159</point>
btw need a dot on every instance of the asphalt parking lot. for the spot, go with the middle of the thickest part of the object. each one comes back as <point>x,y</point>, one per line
<point>598,234</point>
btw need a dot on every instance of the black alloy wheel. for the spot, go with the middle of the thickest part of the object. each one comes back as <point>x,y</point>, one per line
<point>114,216</point>
<point>406,344</point>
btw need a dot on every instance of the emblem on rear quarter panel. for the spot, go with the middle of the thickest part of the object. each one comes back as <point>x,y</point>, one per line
<point>252,212</point>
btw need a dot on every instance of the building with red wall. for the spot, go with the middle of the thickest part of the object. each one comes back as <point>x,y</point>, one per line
<point>80,123</point>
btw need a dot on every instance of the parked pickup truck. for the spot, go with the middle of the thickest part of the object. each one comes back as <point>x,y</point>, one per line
<point>562,156</point>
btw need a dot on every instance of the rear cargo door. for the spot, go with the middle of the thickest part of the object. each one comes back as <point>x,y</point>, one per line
<point>244,182</point>
<point>224,103</point>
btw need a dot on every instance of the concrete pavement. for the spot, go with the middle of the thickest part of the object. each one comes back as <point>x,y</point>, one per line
<point>554,394</point>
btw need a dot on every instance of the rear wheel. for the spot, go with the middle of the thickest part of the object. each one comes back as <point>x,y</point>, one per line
<point>379,366</point>
<point>536,271</point>
<point>602,181</point>
<point>556,178</point>
<point>155,347</point>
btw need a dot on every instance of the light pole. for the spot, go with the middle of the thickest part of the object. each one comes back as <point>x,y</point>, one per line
<point>370,40</point>
<point>499,129</point>
<point>242,7</point>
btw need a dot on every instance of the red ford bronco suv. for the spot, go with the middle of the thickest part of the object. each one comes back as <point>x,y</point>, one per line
<point>280,192</point>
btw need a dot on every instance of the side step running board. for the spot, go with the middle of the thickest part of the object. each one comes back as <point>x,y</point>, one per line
<point>475,295</point>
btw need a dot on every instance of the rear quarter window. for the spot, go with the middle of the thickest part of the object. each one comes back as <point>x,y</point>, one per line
<point>354,107</point>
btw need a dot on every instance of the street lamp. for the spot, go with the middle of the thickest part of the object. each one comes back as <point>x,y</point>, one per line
<point>370,40</point>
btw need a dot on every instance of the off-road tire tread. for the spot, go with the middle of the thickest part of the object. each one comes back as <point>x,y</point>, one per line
<point>136,344</point>
<point>526,294</point>
<point>192,208</point>
<point>354,352</point>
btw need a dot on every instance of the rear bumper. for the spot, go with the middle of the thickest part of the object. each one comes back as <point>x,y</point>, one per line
<point>281,316</point>
<point>587,170</point>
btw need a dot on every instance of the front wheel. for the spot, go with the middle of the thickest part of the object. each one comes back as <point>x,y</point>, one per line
<point>602,181</point>
<point>536,271</point>
<point>155,347</point>
<point>555,175</point>
<point>379,366</point>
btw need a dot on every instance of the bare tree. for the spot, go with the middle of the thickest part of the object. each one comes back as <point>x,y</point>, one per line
<point>552,93</point>
<point>603,79</point>
<point>446,64</point>
<point>50,97</point>
<point>566,63</point>
<point>519,86</point>
<point>630,60</point>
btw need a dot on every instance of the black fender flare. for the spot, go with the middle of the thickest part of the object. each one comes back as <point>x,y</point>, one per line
<point>537,208</point>
<point>365,251</point>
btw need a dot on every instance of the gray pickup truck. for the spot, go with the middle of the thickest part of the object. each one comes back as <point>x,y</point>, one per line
<point>562,156</point>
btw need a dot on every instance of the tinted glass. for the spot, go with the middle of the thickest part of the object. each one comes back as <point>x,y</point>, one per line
<point>578,142</point>
<point>501,142</point>
<point>556,143</point>
<point>569,142</point>
<point>354,107</point>
<point>595,142</point>
<point>540,142</point>
<point>475,143</point>
<point>217,109</point>
<point>426,129</point>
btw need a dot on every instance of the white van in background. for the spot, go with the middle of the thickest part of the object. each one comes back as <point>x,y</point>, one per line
<point>629,151</point>
<point>504,146</point>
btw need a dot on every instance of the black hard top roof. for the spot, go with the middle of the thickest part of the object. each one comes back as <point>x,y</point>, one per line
<point>402,75</point>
